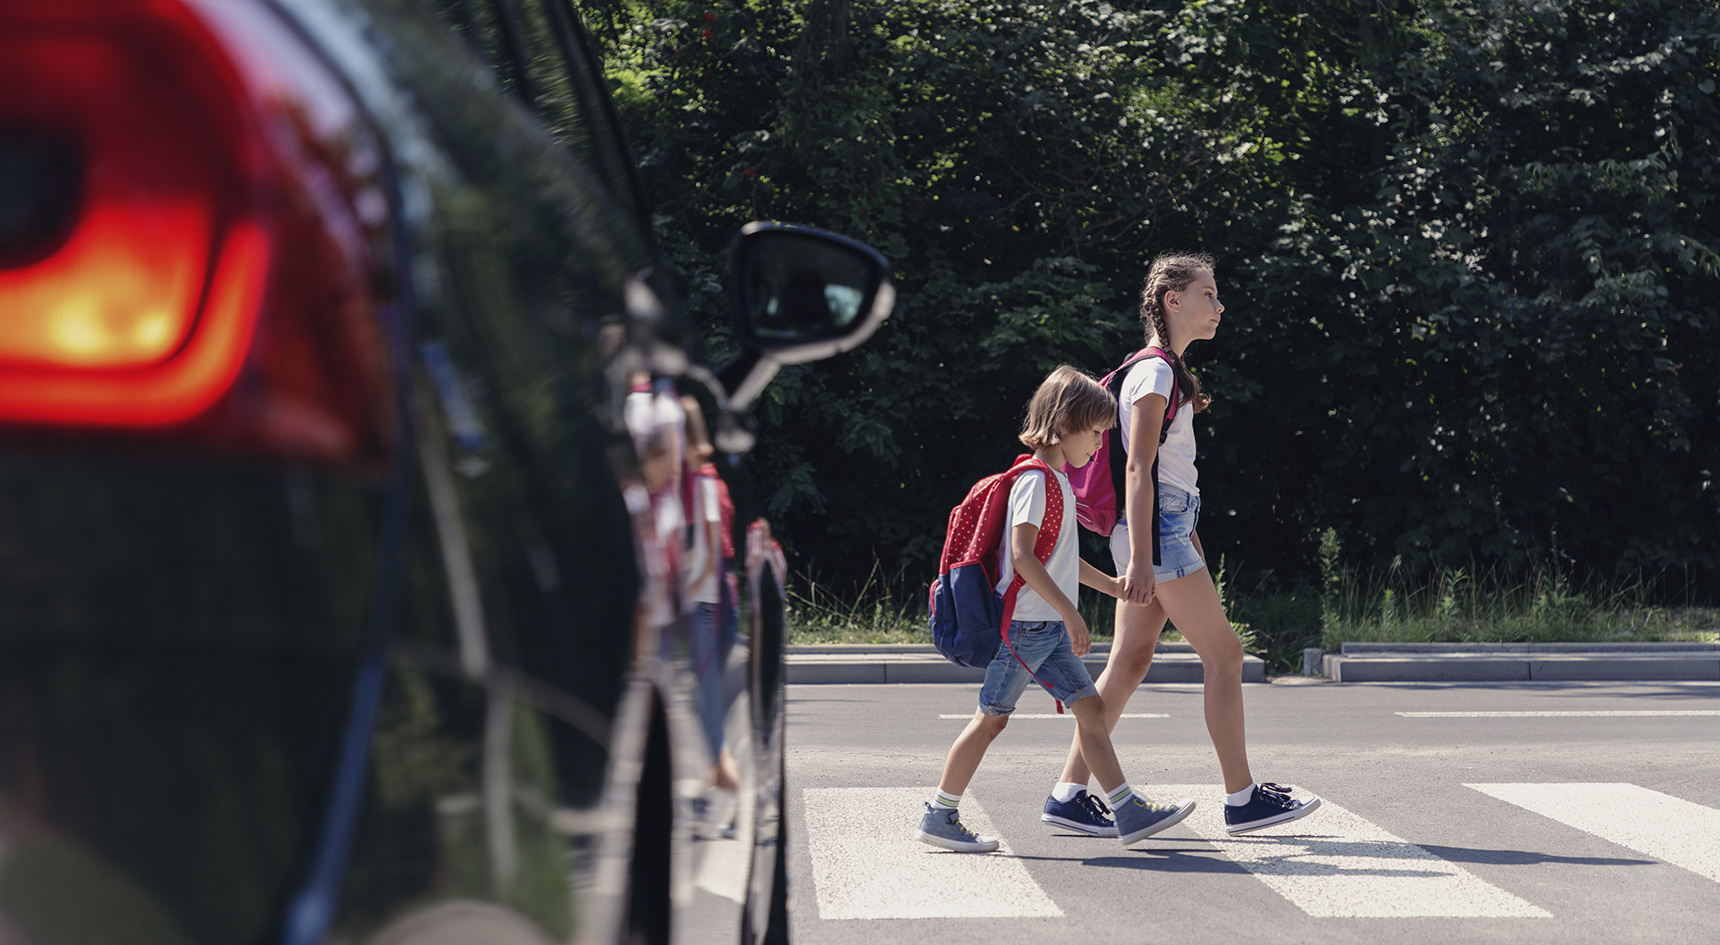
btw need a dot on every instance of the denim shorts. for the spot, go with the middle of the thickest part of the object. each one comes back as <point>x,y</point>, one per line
<point>1044,646</point>
<point>1179,513</point>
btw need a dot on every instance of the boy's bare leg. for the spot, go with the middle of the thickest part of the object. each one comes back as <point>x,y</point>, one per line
<point>1192,602</point>
<point>1138,629</point>
<point>969,750</point>
<point>1096,742</point>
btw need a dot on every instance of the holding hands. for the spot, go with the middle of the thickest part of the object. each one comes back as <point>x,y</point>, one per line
<point>1136,585</point>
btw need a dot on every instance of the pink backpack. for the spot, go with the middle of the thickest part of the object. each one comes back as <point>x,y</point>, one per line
<point>1099,484</point>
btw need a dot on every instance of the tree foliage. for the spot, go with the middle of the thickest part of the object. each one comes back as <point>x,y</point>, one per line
<point>1468,250</point>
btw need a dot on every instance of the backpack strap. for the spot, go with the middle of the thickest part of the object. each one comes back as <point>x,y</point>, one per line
<point>1119,457</point>
<point>1050,528</point>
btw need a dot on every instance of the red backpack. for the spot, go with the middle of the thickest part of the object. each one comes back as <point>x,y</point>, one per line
<point>1098,484</point>
<point>969,618</point>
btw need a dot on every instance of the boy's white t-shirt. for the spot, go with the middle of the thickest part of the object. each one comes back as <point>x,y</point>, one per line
<point>1176,456</point>
<point>1027,505</point>
<point>708,516</point>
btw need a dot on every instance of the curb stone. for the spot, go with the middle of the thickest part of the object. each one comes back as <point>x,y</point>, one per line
<point>1516,662</point>
<point>921,663</point>
<point>1356,662</point>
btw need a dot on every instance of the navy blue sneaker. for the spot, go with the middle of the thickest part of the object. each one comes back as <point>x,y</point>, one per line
<point>1085,814</point>
<point>1271,804</point>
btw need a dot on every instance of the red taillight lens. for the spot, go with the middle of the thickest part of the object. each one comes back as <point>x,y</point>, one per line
<point>204,258</point>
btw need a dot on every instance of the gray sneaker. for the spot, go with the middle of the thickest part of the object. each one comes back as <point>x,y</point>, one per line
<point>942,828</point>
<point>1137,819</point>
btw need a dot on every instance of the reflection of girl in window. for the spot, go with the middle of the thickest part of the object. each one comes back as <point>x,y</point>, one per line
<point>706,552</point>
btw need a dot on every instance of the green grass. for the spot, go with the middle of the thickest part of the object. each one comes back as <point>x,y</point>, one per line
<point>1276,618</point>
<point>878,611</point>
<point>1454,606</point>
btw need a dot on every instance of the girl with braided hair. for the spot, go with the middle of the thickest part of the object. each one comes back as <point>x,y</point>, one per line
<point>1179,305</point>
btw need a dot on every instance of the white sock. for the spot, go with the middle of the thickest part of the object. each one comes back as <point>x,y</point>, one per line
<point>1240,797</point>
<point>1119,795</point>
<point>946,800</point>
<point>1066,791</point>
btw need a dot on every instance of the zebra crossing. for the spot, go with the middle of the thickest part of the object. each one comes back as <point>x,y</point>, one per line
<point>1336,864</point>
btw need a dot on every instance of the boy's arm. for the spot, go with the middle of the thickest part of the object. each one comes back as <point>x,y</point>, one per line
<point>1021,541</point>
<point>1099,580</point>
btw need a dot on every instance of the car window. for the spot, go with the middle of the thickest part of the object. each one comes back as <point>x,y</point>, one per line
<point>540,54</point>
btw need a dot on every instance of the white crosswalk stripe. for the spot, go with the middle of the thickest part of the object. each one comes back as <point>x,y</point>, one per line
<point>866,863</point>
<point>1565,714</point>
<point>1335,864</point>
<point>1054,715</point>
<point>1651,823</point>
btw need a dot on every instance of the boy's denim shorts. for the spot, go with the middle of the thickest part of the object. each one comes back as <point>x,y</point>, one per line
<point>1179,513</point>
<point>1044,646</point>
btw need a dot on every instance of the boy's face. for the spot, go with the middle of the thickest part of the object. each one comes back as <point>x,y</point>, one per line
<point>1079,447</point>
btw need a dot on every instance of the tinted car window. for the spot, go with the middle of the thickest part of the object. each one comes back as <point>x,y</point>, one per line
<point>520,579</point>
<point>540,52</point>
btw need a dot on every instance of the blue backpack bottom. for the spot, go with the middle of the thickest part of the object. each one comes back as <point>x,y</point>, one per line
<point>966,616</point>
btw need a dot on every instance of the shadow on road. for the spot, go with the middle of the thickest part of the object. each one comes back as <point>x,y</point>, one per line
<point>1524,857</point>
<point>1162,860</point>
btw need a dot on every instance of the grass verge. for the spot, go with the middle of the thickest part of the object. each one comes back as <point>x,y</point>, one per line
<point>1276,618</point>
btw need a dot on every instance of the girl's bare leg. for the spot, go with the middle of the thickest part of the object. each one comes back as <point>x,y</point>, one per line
<point>1192,604</point>
<point>1138,629</point>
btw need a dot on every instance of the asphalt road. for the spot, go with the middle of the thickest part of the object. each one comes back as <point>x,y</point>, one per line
<point>1557,813</point>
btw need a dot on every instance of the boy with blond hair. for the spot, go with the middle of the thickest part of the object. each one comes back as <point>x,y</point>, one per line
<point>1066,423</point>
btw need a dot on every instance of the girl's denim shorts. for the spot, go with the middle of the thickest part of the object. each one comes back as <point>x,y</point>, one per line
<point>1179,513</point>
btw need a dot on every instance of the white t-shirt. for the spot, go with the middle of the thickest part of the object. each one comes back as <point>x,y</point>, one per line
<point>1027,505</point>
<point>650,415</point>
<point>666,515</point>
<point>707,517</point>
<point>1176,456</point>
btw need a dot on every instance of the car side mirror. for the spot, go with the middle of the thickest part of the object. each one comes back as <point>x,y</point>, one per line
<point>799,295</point>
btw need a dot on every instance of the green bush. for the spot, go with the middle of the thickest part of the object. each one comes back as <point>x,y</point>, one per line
<point>1468,250</point>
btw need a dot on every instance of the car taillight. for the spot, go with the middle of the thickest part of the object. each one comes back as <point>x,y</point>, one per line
<point>193,235</point>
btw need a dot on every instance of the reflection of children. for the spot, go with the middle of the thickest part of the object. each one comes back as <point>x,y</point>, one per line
<point>1066,423</point>
<point>706,552</point>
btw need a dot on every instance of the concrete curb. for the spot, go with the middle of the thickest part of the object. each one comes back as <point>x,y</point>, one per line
<point>1356,662</point>
<point>921,663</point>
<point>1518,662</point>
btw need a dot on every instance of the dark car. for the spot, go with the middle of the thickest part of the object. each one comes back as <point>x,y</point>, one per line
<point>332,604</point>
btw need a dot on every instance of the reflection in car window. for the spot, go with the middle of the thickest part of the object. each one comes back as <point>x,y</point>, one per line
<point>539,55</point>
<point>472,799</point>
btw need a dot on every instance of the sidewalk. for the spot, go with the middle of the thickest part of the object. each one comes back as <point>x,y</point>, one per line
<point>1356,662</point>
<point>1516,662</point>
<point>921,663</point>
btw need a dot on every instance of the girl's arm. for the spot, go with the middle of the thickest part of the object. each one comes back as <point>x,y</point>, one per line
<point>1021,539</point>
<point>1140,505</point>
<point>1195,536</point>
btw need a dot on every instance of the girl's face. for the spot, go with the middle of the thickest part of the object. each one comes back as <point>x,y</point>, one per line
<point>1193,313</point>
<point>1079,447</point>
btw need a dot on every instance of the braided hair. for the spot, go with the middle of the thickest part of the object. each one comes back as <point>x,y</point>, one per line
<point>1173,272</point>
